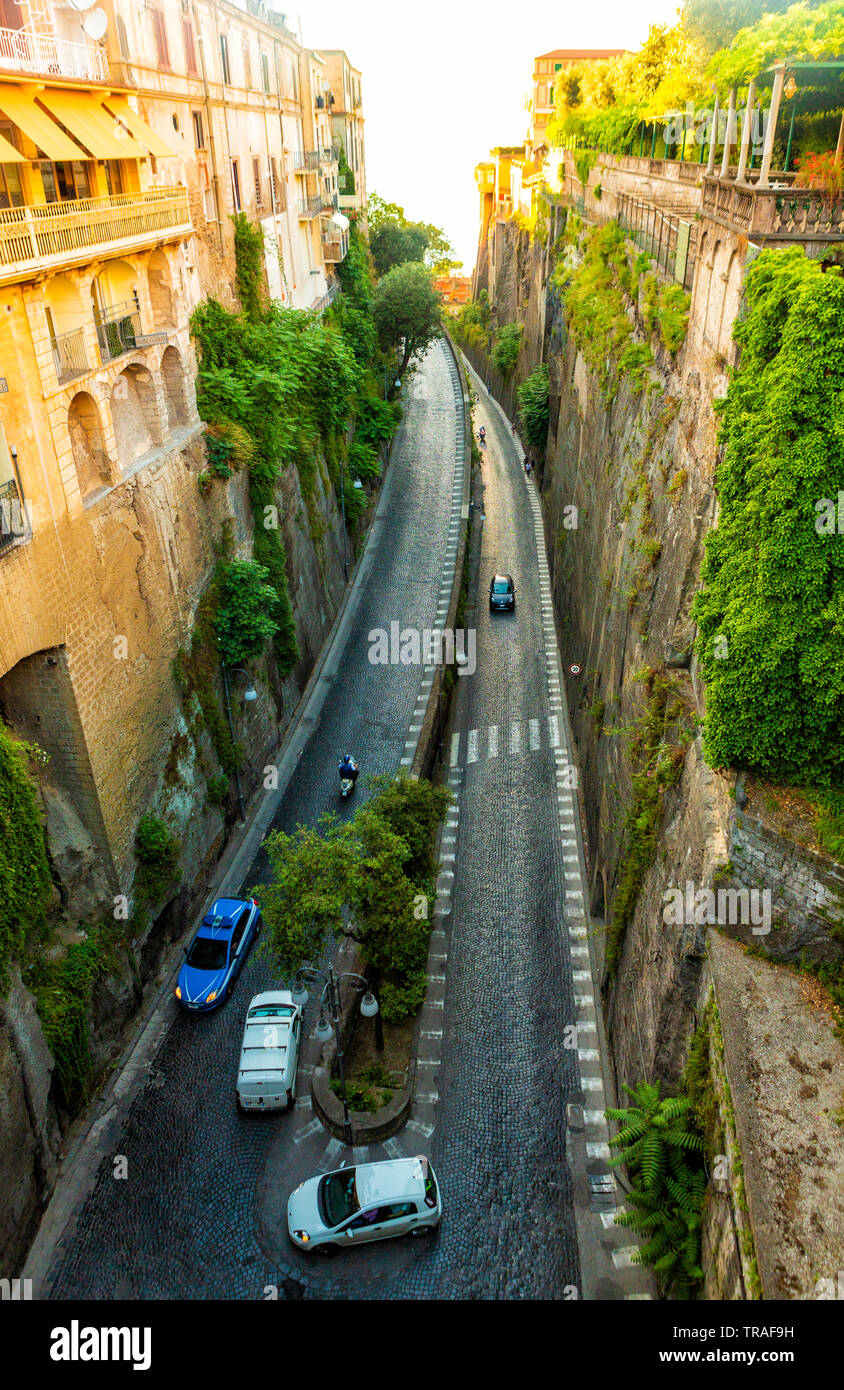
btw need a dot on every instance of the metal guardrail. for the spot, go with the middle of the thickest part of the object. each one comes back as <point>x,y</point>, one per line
<point>321,304</point>
<point>669,240</point>
<point>118,330</point>
<point>308,207</point>
<point>14,522</point>
<point>306,160</point>
<point>69,355</point>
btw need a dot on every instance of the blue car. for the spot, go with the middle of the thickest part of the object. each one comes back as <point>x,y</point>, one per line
<point>216,955</point>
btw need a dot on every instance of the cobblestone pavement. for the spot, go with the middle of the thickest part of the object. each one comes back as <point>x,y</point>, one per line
<point>183,1223</point>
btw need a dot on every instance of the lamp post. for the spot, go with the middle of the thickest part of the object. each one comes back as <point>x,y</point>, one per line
<point>343,505</point>
<point>330,996</point>
<point>249,694</point>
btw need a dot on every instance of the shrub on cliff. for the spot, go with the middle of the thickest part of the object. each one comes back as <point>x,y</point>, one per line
<point>771,608</point>
<point>533,400</point>
<point>508,345</point>
<point>24,870</point>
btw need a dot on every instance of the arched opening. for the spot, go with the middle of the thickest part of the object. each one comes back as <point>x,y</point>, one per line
<point>730,299</point>
<point>114,295</point>
<point>175,394</point>
<point>134,414</point>
<point>161,291</point>
<point>65,314</point>
<point>598,907</point>
<point>711,265</point>
<point>87,443</point>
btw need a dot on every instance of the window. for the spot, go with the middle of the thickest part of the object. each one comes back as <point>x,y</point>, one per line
<point>247,62</point>
<point>265,73</point>
<point>224,60</point>
<point>256,174</point>
<point>63,181</point>
<point>122,41</point>
<point>114,176</point>
<point>210,208</point>
<point>558,67</point>
<point>198,130</point>
<point>236,185</point>
<point>159,30</point>
<point>190,49</point>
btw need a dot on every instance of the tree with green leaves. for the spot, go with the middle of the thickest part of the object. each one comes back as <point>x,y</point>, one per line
<point>407,312</point>
<point>245,618</point>
<point>394,239</point>
<point>534,409</point>
<point>715,23</point>
<point>663,1154</point>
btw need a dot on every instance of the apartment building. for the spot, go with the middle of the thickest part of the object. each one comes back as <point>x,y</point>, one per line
<point>343,98</point>
<point>129,135</point>
<point>545,69</point>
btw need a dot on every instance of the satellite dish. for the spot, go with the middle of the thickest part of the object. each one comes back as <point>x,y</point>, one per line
<point>82,5</point>
<point>96,24</point>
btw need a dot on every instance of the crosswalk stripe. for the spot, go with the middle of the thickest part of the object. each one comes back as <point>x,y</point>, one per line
<point>493,741</point>
<point>554,730</point>
<point>534,734</point>
<point>455,749</point>
<point>515,737</point>
<point>472,752</point>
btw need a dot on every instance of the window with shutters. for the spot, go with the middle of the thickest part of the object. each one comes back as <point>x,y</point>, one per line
<point>236,186</point>
<point>256,175</point>
<point>198,130</point>
<point>190,49</point>
<point>122,41</point>
<point>247,62</point>
<point>159,29</point>
<point>224,60</point>
<point>265,73</point>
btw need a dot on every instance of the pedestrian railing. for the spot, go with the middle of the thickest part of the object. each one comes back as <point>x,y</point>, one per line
<point>668,239</point>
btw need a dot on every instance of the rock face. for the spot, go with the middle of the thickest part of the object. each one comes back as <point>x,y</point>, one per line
<point>638,466</point>
<point>29,1132</point>
<point>74,856</point>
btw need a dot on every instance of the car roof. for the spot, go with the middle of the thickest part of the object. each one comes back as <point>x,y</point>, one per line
<point>500,575</point>
<point>389,1181</point>
<point>221,916</point>
<point>272,996</point>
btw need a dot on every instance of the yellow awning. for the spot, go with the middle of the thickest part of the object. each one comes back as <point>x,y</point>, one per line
<point>19,106</point>
<point>8,153</point>
<point>119,106</point>
<point>90,124</point>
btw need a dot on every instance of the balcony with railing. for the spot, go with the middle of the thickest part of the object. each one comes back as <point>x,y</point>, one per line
<point>306,161</point>
<point>48,235</point>
<point>69,355</point>
<point>335,247</point>
<point>306,208</point>
<point>779,211</point>
<point>119,331</point>
<point>14,522</point>
<point>44,55</point>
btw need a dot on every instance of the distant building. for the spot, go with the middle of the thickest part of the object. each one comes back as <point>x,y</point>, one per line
<point>453,289</point>
<point>545,67</point>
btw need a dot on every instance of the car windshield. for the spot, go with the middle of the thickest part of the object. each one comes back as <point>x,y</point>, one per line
<point>271,1011</point>
<point>501,586</point>
<point>338,1197</point>
<point>206,954</point>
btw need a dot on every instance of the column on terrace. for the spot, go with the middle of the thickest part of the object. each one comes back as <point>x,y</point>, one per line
<point>839,148</point>
<point>713,140</point>
<point>745,134</point>
<point>770,130</point>
<point>730,136</point>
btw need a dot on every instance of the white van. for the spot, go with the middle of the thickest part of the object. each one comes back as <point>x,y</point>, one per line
<point>269,1056</point>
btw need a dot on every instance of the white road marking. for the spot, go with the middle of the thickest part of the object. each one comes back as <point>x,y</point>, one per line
<point>455,749</point>
<point>302,1134</point>
<point>493,741</point>
<point>472,753</point>
<point>554,730</point>
<point>534,734</point>
<point>515,737</point>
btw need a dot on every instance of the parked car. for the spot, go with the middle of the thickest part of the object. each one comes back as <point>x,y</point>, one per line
<point>372,1201</point>
<point>502,592</point>
<point>269,1055</point>
<point>216,955</point>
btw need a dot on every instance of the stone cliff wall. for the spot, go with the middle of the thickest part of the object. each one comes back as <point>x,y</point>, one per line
<point>638,464</point>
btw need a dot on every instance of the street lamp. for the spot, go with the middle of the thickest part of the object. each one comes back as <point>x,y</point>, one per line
<point>396,383</point>
<point>249,694</point>
<point>331,996</point>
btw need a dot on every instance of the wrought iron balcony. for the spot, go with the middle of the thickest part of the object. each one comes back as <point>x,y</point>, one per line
<point>47,56</point>
<point>305,161</point>
<point>14,522</point>
<point>69,355</point>
<point>334,248</point>
<point>307,208</point>
<point>119,331</point>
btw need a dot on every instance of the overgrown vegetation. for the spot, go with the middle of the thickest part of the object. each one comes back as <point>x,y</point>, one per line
<point>472,325</point>
<point>381,867</point>
<point>249,267</point>
<point>657,747</point>
<point>663,1153</point>
<point>534,406</point>
<point>771,608</point>
<point>24,869</point>
<point>506,348</point>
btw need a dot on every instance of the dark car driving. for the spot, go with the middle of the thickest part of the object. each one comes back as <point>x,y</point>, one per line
<point>502,593</point>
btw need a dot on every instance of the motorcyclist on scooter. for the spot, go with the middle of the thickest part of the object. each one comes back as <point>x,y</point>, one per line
<point>349,768</point>
<point>482,435</point>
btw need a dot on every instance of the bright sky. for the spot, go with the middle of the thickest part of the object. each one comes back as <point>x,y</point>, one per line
<point>444,80</point>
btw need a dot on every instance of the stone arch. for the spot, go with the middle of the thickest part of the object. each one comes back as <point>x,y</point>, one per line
<point>116,305</point>
<point>88,444</point>
<point>175,389</point>
<point>731,276</point>
<point>66,318</point>
<point>134,413</point>
<point>162,298</point>
<point>710,267</point>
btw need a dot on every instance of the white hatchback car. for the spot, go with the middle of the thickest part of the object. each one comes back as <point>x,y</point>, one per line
<point>372,1201</point>
<point>269,1056</point>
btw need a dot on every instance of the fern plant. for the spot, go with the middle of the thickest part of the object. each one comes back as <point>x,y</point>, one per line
<point>663,1153</point>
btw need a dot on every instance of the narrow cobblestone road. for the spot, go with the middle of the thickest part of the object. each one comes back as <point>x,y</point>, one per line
<point>201,1214</point>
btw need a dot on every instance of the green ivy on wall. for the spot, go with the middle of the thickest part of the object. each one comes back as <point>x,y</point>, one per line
<point>770,612</point>
<point>24,870</point>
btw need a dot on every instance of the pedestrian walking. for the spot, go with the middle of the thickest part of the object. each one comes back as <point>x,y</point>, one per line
<point>528,466</point>
<point>525,462</point>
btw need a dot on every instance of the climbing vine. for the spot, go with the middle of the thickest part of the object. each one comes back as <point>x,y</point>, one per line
<point>771,609</point>
<point>249,266</point>
<point>24,869</point>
